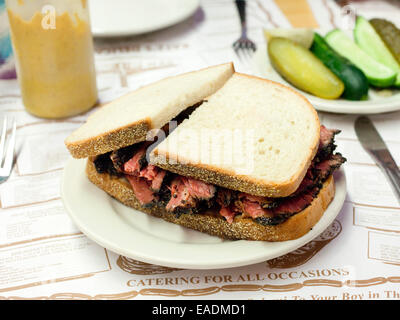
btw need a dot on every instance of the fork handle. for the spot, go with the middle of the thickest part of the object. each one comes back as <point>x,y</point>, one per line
<point>241,7</point>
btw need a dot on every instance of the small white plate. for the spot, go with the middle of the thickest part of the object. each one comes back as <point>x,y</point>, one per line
<point>132,17</point>
<point>375,103</point>
<point>139,236</point>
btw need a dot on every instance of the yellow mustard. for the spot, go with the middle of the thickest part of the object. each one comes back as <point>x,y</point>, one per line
<point>55,66</point>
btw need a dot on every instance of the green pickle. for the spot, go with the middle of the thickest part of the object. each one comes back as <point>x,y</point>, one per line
<point>371,42</point>
<point>303,70</point>
<point>377,73</point>
<point>355,82</point>
<point>389,34</point>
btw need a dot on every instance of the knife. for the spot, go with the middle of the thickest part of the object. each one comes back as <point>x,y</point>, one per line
<point>374,145</point>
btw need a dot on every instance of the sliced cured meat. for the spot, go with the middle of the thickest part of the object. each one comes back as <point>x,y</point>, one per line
<point>141,189</point>
<point>103,164</point>
<point>185,193</point>
<point>156,183</point>
<point>254,209</point>
<point>227,213</point>
<point>136,163</point>
<point>265,203</point>
<point>199,189</point>
<point>180,195</point>
<point>225,197</point>
<point>319,172</point>
<point>326,141</point>
<point>116,160</point>
<point>283,208</point>
<point>154,175</point>
<point>326,167</point>
<point>296,204</point>
<point>253,206</point>
<point>149,172</point>
<point>309,181</point>
<point>327,136</point>
<point>310,186</point>
<point>119,157</point>
<point>136,166</point>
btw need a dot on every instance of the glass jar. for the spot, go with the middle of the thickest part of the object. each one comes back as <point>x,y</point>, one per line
<point>53,48</point>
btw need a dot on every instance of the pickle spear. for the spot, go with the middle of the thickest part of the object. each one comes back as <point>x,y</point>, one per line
<point>390,36</point>
<point>377,73</point>
<point>371,42</point>
<point>303,70</point>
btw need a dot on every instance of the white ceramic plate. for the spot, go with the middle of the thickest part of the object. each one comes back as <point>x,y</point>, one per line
<point>133,17</point>
<point>139,236</point>
<point>375,104</point>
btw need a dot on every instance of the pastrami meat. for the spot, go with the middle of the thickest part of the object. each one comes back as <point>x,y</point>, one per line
<point>154,186</point>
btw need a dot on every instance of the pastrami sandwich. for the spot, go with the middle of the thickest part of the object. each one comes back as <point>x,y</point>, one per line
<point>220,152</point>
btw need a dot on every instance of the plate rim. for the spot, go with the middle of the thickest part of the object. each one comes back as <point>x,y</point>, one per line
<point>339,199</point>
<point>132,32</point>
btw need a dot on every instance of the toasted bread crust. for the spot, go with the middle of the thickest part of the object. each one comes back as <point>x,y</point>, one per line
<point>230,180</point>
<point>213,223</point>
<point>109,141</point>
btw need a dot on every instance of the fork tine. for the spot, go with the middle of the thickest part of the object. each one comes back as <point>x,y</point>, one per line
<point>236,47</point>
<point>249,53</point>
<point>252,46</point>
<point>3,139</point>
<point>10,149</point>
<point>241,55</point>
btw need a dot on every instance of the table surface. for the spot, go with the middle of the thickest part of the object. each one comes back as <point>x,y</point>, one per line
<point>44,256</point>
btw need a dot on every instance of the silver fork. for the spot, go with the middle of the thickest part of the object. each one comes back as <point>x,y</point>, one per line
<point>243,47</point>
<point>7,163</point>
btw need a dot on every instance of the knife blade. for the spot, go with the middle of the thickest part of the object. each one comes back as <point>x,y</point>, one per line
<point>373,143</point>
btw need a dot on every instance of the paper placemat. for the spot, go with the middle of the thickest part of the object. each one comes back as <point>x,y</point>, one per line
<point>44,256</point>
